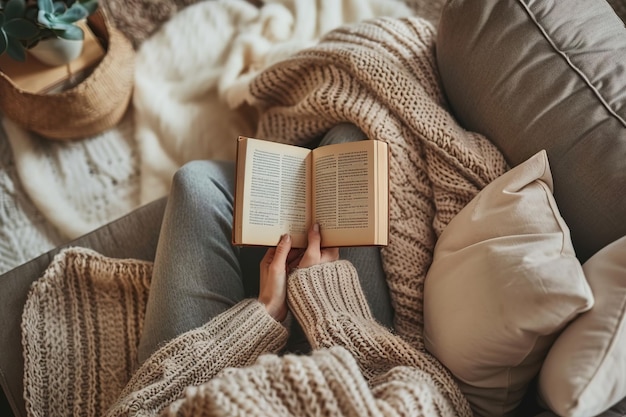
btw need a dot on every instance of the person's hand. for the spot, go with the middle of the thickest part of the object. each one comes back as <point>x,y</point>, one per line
<point>274,268</point>
<point>314,255</point>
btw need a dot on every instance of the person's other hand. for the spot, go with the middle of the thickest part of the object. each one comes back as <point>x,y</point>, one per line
<point>273,285</point>
<point>314,254</point>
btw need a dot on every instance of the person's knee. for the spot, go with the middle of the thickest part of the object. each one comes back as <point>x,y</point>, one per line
<point>343,132</point>
<point>202,176</point>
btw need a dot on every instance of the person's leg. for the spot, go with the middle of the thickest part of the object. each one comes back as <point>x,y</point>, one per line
<point>368,264</point>
<point>343,132</point>
<point>197,273</point>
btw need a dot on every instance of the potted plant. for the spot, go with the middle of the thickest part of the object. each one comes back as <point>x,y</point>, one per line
<point>48,29</point>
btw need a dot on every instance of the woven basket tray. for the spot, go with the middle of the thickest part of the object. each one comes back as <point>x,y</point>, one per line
<point>92,106</point>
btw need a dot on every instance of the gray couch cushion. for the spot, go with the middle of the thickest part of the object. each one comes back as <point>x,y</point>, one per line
<point>132,236</point>
<point>534,75</point>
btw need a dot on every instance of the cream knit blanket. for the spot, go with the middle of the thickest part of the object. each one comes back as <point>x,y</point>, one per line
<point>380,75</point>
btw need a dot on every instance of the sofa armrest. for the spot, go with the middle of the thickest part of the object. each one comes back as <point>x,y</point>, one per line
<point>133,236</point>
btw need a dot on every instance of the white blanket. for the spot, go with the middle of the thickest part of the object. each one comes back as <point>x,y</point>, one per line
<point>51,192</point>
<point>193,75</point>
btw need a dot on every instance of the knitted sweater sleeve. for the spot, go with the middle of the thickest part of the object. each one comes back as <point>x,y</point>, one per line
<point>358,367</point>
<point>329,303</point>
<point>235,338</point>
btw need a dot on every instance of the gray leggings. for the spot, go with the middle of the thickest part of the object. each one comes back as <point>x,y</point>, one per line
<point>198,274</point>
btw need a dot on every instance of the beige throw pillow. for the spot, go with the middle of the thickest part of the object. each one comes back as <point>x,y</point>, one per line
<point>504,280</point>
<point>584,373</point>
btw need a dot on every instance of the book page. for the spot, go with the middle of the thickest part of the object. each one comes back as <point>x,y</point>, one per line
<point>275,193</point>
<point>344,193</point>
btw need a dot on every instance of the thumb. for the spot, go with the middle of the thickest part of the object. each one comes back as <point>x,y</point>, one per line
<point>312,253</point>
<point>282,250</point>
<point>314,238</point>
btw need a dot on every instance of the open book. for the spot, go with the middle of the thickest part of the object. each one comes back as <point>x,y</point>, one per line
<point>284,188</point>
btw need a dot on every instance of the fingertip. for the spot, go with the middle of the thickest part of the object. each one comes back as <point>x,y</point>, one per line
<point>314,231</point>
<point>284,244</point>
<point>285,240</point>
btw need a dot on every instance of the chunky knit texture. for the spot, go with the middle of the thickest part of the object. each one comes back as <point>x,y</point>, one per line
<point>80,330</point>
<point>235,338</point>
<point>381,75</point>
<point>228,366</point>
<point>357,368</point>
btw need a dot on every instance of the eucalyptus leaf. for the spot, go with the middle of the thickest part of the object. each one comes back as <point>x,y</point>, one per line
<point>21,29</point>
<point>14,9</point>
<point>16,50</point>
<point>31,14</point>
<point>4,42</point>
